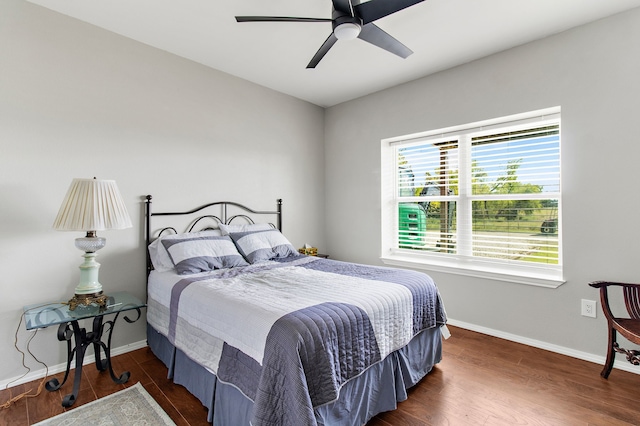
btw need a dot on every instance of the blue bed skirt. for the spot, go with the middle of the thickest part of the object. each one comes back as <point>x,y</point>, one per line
<point>378,389</point>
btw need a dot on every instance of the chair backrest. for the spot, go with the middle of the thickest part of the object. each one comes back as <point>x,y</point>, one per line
<point>630,292</point>
<point>632,300</point>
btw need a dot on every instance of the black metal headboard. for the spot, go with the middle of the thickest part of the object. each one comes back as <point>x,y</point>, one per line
<point>223,217</point>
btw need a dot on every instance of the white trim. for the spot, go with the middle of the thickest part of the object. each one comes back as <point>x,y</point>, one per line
<point>539,277</point>
<point>59,368</point>
<point>527,118</point>
<point>585,356</point>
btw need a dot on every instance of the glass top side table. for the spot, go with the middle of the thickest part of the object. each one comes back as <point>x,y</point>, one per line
<point>46,315</point>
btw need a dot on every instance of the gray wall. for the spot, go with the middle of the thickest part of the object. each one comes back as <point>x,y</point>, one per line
<point>78,101</point>
<point>592,73</point>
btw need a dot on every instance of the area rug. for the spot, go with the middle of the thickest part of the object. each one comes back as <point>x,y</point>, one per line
<point>129,407</point>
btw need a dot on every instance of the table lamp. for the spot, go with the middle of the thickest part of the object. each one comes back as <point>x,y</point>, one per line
<point>91,205</point>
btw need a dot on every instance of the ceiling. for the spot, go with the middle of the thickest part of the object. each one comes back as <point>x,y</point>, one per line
<point>442,34</point>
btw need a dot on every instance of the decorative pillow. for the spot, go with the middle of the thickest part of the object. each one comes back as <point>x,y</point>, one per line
<point>258,246</point>
<point>249,227</point>
<point>159,255</point>
<point>193,254</point>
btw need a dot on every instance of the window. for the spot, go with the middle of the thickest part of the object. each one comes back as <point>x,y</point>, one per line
<point>481,199</point>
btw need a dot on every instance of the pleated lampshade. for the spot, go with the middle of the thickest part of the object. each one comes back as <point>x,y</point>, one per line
<point>92,205</point>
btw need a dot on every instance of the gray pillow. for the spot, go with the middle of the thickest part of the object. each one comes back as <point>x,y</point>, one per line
<point>158,253</point>
<point>258,246</point>
<point>194,254</point>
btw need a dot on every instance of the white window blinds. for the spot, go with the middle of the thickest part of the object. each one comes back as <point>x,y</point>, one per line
<point>488,192</point>
<point>515,189</point>
<point>427,181</point>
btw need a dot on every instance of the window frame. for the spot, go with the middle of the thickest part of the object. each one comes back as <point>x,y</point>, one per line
<point>530,273</point>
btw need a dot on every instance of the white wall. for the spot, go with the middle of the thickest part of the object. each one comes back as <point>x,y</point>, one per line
<point>592,72</point>
<point>78,101</point>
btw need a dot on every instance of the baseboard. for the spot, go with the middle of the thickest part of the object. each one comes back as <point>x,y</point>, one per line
<point>59,368</point>
<point>585,356</point>
<point>38,374</point>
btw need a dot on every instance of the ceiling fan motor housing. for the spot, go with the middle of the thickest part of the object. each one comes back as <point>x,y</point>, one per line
<point>346,27</point>
<point>339,17</point>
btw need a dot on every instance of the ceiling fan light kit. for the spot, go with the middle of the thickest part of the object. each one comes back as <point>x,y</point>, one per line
<point>350,21</point>
<point>347,31</point>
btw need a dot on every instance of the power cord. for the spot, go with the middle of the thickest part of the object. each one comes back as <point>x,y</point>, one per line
<point>28,393</point>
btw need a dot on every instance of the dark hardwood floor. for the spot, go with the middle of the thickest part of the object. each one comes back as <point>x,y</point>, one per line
<point>481,380</point>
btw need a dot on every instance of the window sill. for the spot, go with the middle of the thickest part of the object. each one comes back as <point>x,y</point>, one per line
<point>548,279</point>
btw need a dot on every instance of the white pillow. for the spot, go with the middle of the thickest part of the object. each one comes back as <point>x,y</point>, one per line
<point>158,253</point>
<point>249,227</point>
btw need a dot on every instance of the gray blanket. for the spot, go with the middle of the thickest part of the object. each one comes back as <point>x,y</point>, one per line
<point>312,352</point>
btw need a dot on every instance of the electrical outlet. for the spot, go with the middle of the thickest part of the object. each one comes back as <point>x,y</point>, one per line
<point>588,308</point>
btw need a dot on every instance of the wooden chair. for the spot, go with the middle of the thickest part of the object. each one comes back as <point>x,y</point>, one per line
<point>629,327</point>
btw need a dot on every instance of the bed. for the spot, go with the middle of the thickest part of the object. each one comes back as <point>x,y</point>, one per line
<point>263,335</point>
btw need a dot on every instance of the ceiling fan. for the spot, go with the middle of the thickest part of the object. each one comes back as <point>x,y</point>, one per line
<point>350,21</point>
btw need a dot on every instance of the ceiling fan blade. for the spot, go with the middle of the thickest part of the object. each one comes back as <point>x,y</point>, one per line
<point>376,9</point>
<point>328,43</point>
<point>378,37</point>
<point>343,6</point>
<point>278,19</point>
